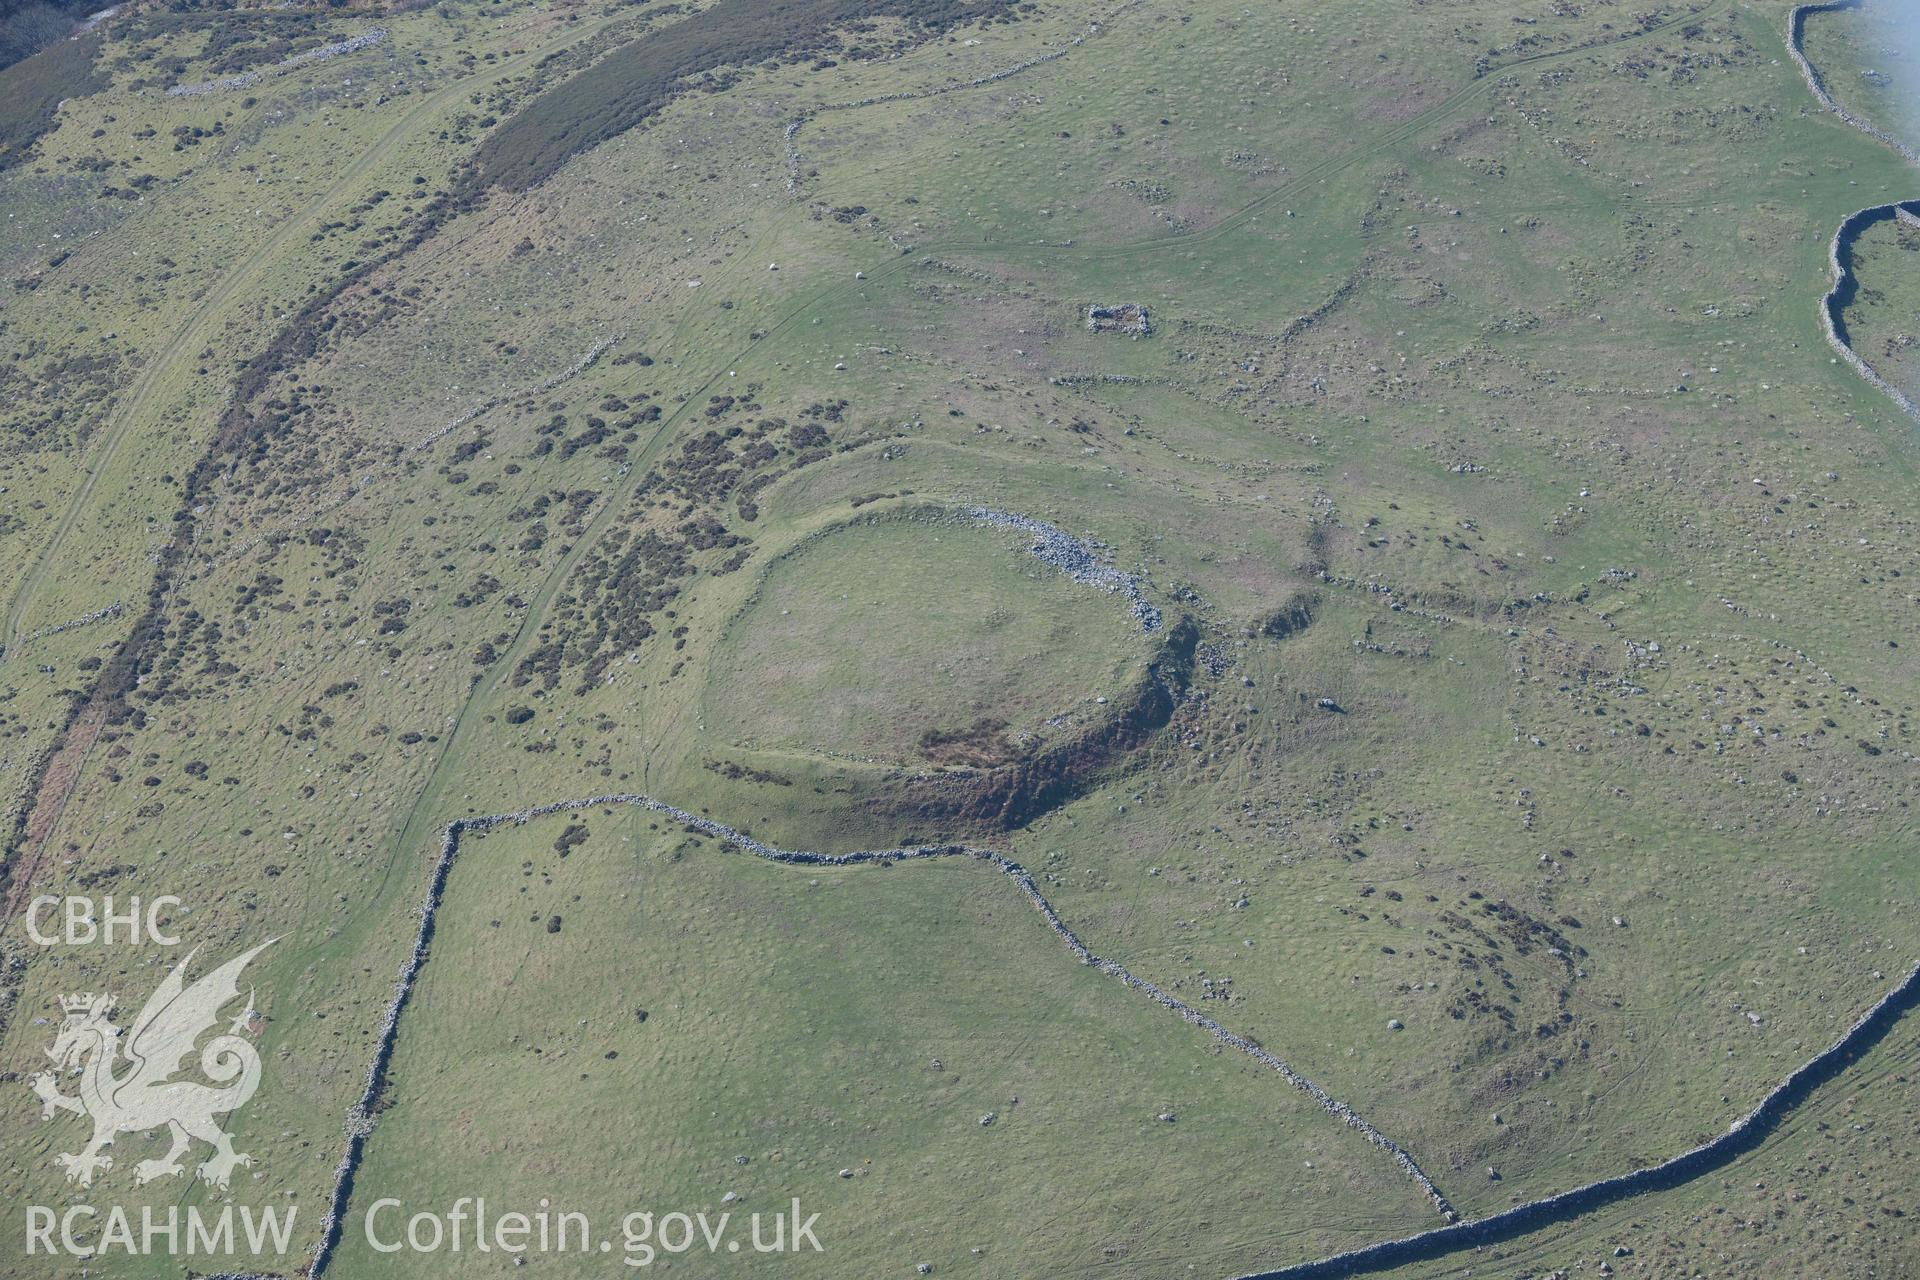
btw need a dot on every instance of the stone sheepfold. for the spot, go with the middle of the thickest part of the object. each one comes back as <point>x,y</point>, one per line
<point>1119,317</point>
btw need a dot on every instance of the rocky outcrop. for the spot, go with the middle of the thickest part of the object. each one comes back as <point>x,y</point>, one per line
<point>1291,618</point>
<point>248,79</point>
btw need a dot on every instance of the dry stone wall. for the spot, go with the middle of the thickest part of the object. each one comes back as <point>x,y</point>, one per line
<point>248,79</point>
<point>360,1119</point>
<point>1839,250</point>
<point>1076,559</point>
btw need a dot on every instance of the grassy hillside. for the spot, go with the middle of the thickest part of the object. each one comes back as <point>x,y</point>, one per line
<point>1525,754</point>
<point>906,1005</point>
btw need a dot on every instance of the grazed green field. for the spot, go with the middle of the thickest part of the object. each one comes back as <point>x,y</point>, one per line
<point>885,1067</point>
<point>1534,772</point>
<point>927,641</point>
<point>1838,1168</point>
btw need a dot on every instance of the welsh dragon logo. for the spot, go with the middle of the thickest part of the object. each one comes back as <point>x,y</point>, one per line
<point>126,1086</point>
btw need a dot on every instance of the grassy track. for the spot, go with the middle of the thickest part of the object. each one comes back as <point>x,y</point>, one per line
<point>199,324</point>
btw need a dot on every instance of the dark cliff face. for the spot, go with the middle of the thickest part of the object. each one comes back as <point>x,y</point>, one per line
<point>1011,795</point>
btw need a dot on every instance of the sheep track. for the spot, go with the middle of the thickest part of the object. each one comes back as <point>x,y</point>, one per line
<point>791,133</point>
